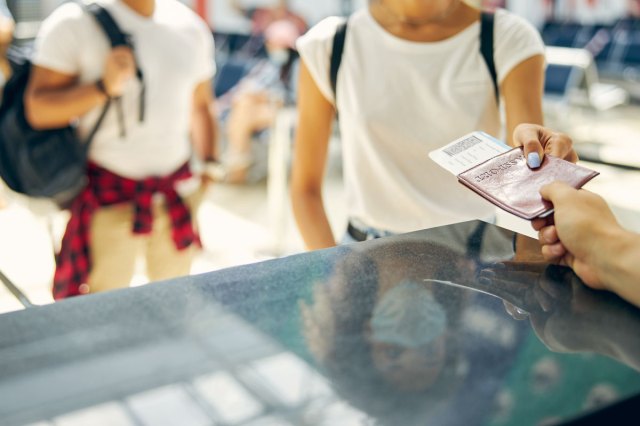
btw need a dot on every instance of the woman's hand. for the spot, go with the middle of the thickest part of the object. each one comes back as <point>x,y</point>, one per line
<point>538,141</point>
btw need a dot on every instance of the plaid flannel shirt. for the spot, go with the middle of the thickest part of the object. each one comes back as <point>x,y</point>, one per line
<point>105,188</point>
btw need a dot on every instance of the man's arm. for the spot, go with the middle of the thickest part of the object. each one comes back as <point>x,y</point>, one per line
<point>204,128</point>
<point>585,235</point>
<point>54,99</point>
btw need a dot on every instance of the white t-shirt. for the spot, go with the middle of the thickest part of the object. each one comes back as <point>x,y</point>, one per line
<point>398,100</point>
<point>174,50</point>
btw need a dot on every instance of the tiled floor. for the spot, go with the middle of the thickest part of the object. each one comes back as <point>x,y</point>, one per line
<point>236,226</point>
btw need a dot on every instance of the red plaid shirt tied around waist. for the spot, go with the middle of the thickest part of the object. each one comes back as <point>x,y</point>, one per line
<point>105,188</point>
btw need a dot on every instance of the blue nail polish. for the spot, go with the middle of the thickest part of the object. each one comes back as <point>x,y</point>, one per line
<point>533,160</point>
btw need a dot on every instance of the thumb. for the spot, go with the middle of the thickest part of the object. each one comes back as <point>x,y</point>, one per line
<point>529,136</point>
<point>555,191</point>
<point>533,152</point>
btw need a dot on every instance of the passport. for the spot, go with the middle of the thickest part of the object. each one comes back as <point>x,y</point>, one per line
<point>506,181</point>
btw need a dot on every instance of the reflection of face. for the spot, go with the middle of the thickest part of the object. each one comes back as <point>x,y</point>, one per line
<point>376,319</point>
<point>407,336</point>
<point>410,369</point>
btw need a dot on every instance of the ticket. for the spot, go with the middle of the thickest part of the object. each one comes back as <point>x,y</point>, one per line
<point>468,151</point>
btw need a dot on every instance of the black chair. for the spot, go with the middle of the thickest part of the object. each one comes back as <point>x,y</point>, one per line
<point>572,80</point>
<point>560,34</point>
<point>561,78</point>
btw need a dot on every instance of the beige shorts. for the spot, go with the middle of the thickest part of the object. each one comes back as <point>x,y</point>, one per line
<point>115,250</point>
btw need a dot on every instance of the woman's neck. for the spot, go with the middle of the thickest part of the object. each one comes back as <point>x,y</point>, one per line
<point>427,29</point>
<point>141,7</point>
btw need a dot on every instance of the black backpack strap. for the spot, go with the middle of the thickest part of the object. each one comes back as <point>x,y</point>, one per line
<point>486,48</point>
<point>117,38</point>
<point>336,56</point>
<point>109,25</point>
<point>96,127</point>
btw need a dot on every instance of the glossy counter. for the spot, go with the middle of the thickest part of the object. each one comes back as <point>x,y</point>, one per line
<point>459,325</point>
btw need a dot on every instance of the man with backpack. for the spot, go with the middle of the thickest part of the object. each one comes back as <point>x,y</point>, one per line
<point>141,195</point>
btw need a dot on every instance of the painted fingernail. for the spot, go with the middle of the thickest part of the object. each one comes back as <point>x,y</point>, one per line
<point>533,160</point>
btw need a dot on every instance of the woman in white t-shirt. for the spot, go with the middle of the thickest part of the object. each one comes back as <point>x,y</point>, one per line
<point>412,79</point>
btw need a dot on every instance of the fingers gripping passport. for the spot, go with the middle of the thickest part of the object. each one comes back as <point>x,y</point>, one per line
<point>500,174</point>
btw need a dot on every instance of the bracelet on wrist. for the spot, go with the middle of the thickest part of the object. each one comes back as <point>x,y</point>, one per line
<point>102,88</point>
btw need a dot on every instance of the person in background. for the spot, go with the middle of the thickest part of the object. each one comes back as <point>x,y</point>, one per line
<point>249,108</point>
<point>590,12</point>
<point>142,195</point>
<point>584,234</point>
<point>262,17</point>
<point>634,8</point>
<point>412,79</point>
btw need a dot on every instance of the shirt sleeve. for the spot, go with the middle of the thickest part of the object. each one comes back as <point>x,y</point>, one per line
<point>315,51</point>
<point>205,58</point>
<point>516,40</point>
<point>57,46</point>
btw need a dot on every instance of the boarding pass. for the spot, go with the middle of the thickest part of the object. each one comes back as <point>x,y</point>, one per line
<point>468,151</point>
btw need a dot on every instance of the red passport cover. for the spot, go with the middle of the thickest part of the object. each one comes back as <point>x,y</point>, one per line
<point>507,181</point>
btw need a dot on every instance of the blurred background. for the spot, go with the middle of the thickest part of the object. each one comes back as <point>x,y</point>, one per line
<point>592,92</point>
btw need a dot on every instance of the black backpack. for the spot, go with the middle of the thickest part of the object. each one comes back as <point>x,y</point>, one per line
<point>486,50</point>
<point>47,163</point>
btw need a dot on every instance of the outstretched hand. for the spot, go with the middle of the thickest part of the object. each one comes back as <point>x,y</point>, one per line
<point>573,235</point>
<point>538,141</point>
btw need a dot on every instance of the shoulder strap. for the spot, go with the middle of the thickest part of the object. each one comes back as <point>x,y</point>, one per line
<point>486,48</point>
<point>116,38</point>
<point>336,56</point>
<point>109,25</point>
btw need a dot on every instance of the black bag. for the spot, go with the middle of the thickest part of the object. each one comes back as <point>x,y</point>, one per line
<point>46,163</point>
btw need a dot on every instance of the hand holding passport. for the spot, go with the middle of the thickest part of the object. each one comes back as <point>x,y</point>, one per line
<point>500,173</point>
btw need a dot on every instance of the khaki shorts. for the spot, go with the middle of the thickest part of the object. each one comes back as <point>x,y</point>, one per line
<point>115,250</point>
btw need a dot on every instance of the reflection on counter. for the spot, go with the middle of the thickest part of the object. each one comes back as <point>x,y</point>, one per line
<point>406,332</point>
<point>462,324</point>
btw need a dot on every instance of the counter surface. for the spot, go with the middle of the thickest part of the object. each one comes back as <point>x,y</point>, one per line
<point>455,325</point>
